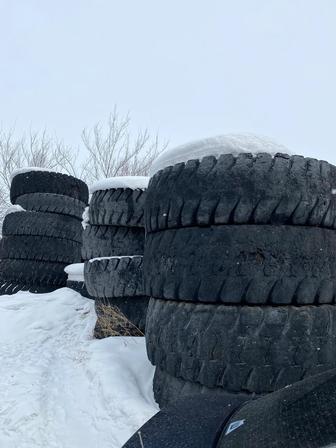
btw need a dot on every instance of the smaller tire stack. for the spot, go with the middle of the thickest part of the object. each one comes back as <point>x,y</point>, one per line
<point>113,245</point>
<point>240,266</point>
<point>75,279</point>
<point>44,234</point>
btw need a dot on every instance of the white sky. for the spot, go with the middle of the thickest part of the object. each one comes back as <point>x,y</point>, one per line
<point>187,68</point>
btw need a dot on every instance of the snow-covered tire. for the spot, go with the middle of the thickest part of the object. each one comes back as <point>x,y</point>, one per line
<point>78,287</point>
<point>118,207</point>
<point>33,273</point>
<point>40,248</point>
<point>247,189</point>
<point>251,264</point>
<point>241,349</point>
<point>52,203</point>
<point>168,389</point>
<point>133,308</point>
<point>106,241</point>
<point>114,277</point>
<point>48,182</point>
<point>42,224</point>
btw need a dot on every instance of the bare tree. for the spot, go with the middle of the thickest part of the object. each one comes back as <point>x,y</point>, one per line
<point>113,151</point>
<point>36,149</point>
<point>109,151</point>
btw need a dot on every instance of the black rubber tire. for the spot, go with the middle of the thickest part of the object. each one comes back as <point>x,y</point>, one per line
<point>246,189</point>
<point>251,264</point>
<point>114,277</point>
<point>168,389</point>
<point>40,248</point>
<point>52,203</point>
<point>9,288</point>
<point>33,273</point>
<point>78,287</point>
<point>48,182</point>
<point>300,416</point>
<point>133,308</point>
<point>42,224</point>
<point>118,207</point>
<point>241,349</point>
<point>107,241</point>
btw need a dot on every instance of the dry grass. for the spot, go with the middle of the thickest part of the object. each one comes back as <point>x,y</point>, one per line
<point>112,322</point>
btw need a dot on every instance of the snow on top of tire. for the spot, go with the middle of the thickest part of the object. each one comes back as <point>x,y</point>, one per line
<point>85,218</point>
<point>28,169</point>
<point>132,182</point>
<point>234,144</point>
<point>115,256</point>
<point>14,209</point>
<point>75,272</point>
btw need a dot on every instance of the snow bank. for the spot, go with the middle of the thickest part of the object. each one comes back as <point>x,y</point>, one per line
<point>14,209</point>
<point>85,218</point>
<point>28,169</point>
<point>115,256</point>
<point>215,146</point>
<point>75,272</point>
<point>59,387</point>
<point>132,182</point>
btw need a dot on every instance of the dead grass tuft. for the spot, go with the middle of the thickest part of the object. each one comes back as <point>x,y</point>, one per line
<point>112,322</point>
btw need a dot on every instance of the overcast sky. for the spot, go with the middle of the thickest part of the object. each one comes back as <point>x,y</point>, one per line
<point>186,68</point>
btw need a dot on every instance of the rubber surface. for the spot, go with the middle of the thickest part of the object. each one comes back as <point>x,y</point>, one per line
<point>52,203</point>
<point>107,241</point>
<point>300,416</point>
<point>42,224</point>
<point>10,288</point>
<point>241,348</point>
<point>251,264</point>
<point>191,422</point>
<point>114,277</point>
<point>78,287</point>
<point>33,273</point>
<point>48,182</point>
<point>40,248</point>
<point>118,207</point>
<point>168,389</point>
<point>133,308</point>
<point>246,189</point>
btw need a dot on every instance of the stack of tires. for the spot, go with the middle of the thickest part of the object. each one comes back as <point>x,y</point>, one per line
<point>44,234</point>
<point>113,246</point>
<point>75,279</point>
<point>240,266</point>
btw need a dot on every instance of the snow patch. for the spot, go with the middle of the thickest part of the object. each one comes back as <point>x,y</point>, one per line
<point>61,388</point>
<point>234,144</point>
<point>85,218</point>
<point>132,182</point>
<point>119,257</point>
<point>16,208</point>
<point>28,169</point>
<point>75,272</point>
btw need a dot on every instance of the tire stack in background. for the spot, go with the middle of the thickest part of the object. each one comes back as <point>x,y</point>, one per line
<point>42,233</point>
<point>75,278</point>
<point>240,266</point>
<point>113,245</point>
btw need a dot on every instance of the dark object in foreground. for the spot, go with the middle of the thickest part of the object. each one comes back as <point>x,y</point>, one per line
<point>192,422</point>
<point>300,415</point>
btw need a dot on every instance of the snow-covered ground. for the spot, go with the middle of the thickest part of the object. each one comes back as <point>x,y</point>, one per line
<point>61,388</point>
